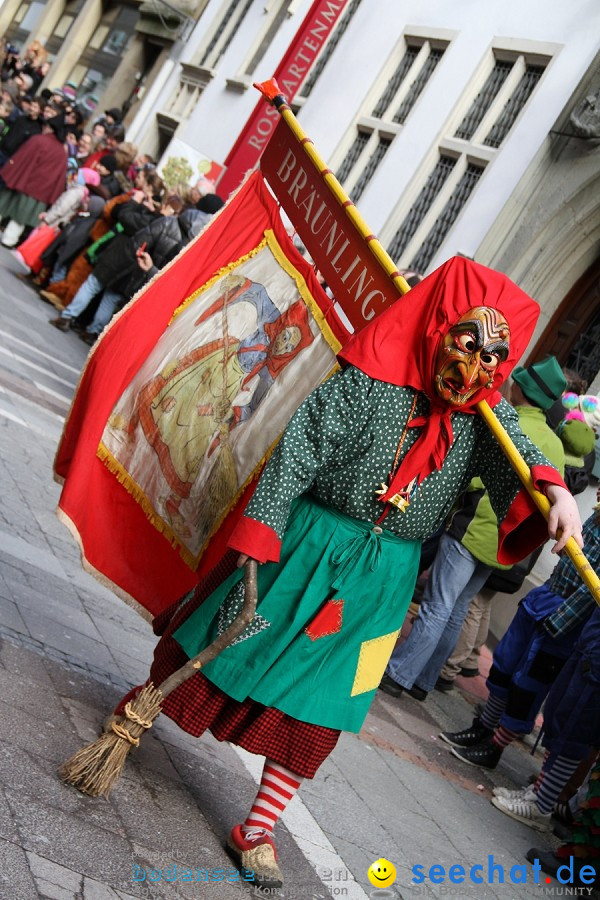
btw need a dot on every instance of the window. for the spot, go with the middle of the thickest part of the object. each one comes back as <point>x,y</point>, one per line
<point>469,145</point>
<point>422,205</point>
<point>329,47</point>
<point>444,222</point>
<point>385,114</point>
<point>93,81</point>
<point>514,105</point>
<point>20,13</point>
<point>402,70</point>
<point>70,10</point>
<point>192,82</point>
<point>584,357</point>
<point>116,43</point>
<point>62,26</point>
<point>483,100</point>
<point>270,29</point>
<point>360,142</point>
<point>227,27</point>
<point>423,76</point>
<point>100,59</point>
<point>377,152</point>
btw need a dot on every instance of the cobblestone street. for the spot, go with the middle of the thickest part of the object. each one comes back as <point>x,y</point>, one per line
<point>69,649</point>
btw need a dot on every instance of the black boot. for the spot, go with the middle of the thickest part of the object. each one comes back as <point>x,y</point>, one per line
<point>485,755</point>
<point>391,687</point>
<point>470,737</point>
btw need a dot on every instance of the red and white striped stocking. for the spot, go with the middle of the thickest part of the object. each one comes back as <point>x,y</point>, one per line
<point>277,787</point>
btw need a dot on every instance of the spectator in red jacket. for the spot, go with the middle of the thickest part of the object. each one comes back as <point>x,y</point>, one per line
<point>34,177</point>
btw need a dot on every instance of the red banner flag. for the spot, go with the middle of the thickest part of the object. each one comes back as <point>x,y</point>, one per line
<point>290,73</point>
<point>184,396</point>
<point>358,283</point>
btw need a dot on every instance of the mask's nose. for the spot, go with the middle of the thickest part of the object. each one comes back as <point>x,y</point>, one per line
<point>469,372</point>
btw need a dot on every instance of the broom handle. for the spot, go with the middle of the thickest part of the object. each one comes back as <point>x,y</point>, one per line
<point>575,554</point>
<point>224,640</point>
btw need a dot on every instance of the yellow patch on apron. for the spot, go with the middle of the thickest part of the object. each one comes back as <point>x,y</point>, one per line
<point>372,660</point>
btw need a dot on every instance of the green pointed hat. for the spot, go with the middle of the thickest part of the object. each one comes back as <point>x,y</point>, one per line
<point>542,382</point>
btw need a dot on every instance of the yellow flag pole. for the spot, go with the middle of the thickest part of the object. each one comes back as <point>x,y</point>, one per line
<point>271,92</point>
<point>572,549</point>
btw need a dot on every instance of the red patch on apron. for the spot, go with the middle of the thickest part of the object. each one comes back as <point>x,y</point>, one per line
<point>327,621</point>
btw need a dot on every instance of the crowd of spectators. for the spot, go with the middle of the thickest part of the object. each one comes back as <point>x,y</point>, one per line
<point>549,655</point>
<point>111,224</point>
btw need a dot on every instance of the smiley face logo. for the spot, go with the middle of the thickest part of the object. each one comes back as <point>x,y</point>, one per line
<point>381,873</point>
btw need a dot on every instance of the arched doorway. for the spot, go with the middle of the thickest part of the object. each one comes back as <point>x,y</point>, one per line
<point>573,333</point>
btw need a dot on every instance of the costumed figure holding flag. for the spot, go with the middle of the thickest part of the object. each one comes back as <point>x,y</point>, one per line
<point>368,467</point>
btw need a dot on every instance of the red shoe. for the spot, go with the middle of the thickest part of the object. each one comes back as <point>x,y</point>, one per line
<point>256,853</point>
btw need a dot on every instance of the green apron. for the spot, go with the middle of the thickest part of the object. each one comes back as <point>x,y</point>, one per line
<point>328,617</point>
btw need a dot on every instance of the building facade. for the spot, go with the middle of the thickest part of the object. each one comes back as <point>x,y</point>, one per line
<point>456,128</point>
<point>448,124</point>
<point>108,52</point>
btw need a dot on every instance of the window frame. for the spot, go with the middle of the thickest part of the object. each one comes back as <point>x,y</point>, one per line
<point>384,128</point>
<point>470,151</point>
<point>207,56</point>
<point>276,12</point>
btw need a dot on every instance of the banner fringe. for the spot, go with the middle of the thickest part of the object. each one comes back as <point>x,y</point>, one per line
<point>124,478</point>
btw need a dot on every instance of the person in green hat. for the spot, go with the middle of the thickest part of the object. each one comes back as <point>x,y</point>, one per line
<point>468,552</point>
<point>541,383</point>
<point>578,440</point>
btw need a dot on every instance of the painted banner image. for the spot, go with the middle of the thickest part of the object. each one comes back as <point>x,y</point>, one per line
<point>184,396</point>
<point>215,393</point>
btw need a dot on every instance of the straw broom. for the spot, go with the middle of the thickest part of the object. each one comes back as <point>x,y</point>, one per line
<point>96,768</point>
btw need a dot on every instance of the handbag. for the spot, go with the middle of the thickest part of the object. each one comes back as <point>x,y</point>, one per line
<point>30,251</point>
